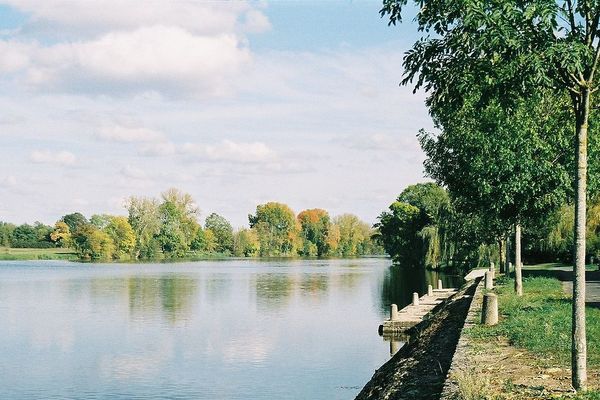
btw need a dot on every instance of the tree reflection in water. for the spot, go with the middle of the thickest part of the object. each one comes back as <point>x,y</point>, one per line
<point>168,296</point>
<point>399,283</point>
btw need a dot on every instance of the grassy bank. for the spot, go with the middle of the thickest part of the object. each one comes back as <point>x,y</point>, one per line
<point>37,254</point>
<point>540,322</point>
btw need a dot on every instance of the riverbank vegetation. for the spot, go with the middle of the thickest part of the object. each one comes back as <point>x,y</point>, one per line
<point>169,227</point>
<point>540,321</point>
<point>511,87</point>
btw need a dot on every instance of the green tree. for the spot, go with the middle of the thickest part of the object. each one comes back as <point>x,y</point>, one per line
<point>144,218</point>
<point>61,235</point>
<point>223,232</point>
<point>314,229</point>
<point>515,48</point>
<point>92,243</point>
<point>510,167</point>
<point>415,229</point>
<point>6,232</point>
<point>397,231</point>
<point>35,236</point>
<point>122,235</point>
<point>245,243</point>
<point>276,227</point>
<point>74,221</point>
<point>353,233</point>
<point>178,222</point>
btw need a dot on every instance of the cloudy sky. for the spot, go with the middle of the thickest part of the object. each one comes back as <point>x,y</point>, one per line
<point>237,103</point>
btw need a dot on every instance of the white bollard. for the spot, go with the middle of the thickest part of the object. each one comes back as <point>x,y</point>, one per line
<point>489,311</point>
<point>415,301</point>
<point>429,290</point>
<point>492,270</point>
<point>394,312</point>
<point>489,280</point>
<point>440,284</point>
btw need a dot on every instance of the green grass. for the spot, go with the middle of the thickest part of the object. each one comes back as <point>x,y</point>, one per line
<point>7,253</point>
<point>552,266</point>
<point>591,395</point>
<point>540,321</point>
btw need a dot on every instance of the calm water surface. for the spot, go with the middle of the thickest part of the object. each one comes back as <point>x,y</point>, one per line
<point>234,329</point>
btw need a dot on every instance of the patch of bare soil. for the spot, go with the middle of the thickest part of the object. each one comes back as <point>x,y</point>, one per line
<point>419,369</point>
<point>498,370</point>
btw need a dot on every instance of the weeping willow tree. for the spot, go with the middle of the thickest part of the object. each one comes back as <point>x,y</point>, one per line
<point>559,239</point>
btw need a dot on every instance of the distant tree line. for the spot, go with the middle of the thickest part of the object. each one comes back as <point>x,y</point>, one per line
<point>169,227</point>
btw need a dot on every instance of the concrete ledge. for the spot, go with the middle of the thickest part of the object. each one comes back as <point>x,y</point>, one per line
<point>459,360</point>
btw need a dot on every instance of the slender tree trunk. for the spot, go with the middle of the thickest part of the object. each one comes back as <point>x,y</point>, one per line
<point>507,256</point>
<point>579,347</point>
<point>518,275</point>
<point>501,246</point>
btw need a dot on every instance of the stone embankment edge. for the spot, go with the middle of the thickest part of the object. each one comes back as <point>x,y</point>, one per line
<point>460,362</point>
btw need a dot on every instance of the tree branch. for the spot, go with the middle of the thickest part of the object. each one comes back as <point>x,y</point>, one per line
<point>571,16</point>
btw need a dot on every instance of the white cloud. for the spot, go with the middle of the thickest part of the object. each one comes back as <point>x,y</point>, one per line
<point>62,158</point>
<point>8,181</point>
<point>202,17</point>
<point>131,172</point>
<point>158,149</point>
<point>160,58</point>
<point>228,150</point>
<point>118,133</point>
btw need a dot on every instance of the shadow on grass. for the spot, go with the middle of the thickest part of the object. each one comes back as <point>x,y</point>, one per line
<point>561,275</point>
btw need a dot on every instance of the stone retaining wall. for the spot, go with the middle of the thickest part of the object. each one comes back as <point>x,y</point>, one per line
<point>460,359</point>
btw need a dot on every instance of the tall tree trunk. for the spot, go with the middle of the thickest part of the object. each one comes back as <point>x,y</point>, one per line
<point>507,256</point>
<point>501,246</point>
<point>518,275</point>
<point>579,346</point>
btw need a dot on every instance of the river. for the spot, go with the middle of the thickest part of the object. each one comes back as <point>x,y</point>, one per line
<point>235,329</point>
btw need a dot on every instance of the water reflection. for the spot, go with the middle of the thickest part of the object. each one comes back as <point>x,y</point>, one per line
<point>314,285</point>
<point>400,282</point>
<point>169,296</point>
<point>396,340</point>
<point>273,290</point>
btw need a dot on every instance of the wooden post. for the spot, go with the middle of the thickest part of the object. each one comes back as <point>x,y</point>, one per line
<point>415,301</point>
<point>429,290</point>
<point>489,280</point>
<point>489,311</point>
<point>394,312</point>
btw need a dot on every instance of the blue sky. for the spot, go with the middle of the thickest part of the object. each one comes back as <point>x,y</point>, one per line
<point>237,103</point>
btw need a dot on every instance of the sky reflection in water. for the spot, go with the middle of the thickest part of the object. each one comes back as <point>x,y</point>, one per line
<point>207,330</point>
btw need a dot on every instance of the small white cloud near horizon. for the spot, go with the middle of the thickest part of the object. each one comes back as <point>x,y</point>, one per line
<point>228,150</point>
<point>8,181</point>
<point>132,172</point>
<point>118,133</point>
<point>60,158</point>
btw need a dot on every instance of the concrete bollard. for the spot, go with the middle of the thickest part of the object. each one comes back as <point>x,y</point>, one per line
<point>415,301</point>
<point>440,284</point>
<point>489,280</point>
<point>429,290</point>
<point>492,270</point>
<point>394,347</point>
<point>489,311</point>
<point>394,312</point>
<point>510,268</point>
